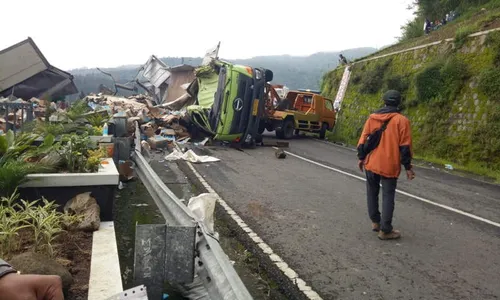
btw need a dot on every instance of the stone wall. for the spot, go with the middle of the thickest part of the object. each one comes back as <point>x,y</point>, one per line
<point>452,116</point>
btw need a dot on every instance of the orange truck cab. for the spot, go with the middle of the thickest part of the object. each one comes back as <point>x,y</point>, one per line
<point>301,110</point>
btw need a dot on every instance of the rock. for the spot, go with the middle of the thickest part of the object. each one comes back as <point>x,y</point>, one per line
<point>39,264</point>
<point>280,154</point>
<point>86,206</point>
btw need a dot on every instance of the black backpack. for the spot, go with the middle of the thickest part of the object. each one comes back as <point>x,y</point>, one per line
<point>374,138</point>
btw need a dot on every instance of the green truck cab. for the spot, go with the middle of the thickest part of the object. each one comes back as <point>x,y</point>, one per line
<point>230,101</point>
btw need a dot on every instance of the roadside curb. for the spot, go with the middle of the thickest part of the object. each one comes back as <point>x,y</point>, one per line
<point>105,277</point>
<point>289,282</point>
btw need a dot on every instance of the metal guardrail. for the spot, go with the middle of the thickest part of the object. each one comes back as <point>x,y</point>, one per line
<point>211,263</point>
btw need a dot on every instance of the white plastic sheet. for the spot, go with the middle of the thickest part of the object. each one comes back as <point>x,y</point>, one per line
<point>203,207</point>
<point>190,156</point>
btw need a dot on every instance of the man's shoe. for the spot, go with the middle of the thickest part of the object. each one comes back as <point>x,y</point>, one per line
<point>376,227</point>
<point>395,234</point>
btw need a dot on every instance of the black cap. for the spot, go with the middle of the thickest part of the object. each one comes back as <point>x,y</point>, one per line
<point>392,98</point>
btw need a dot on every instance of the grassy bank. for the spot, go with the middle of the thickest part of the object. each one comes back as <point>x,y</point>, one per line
<point>451,95</point>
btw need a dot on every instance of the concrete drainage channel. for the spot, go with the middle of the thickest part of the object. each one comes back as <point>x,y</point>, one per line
<point>217,254</point>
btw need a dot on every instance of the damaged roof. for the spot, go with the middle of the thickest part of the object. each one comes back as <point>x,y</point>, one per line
<point>26,73</point>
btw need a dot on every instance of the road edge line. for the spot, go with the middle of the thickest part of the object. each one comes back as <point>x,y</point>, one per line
<point>449,208</point>
<point>307,291</point>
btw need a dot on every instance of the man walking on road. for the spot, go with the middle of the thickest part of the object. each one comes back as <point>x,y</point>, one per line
<point>383,147</point>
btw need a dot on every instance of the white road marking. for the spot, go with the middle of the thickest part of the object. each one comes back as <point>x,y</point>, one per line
<point>278,261</point>
<point>458,211</point>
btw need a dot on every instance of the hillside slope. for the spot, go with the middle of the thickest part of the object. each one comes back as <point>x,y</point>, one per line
<point>294,71</point>
<point>451,95</point>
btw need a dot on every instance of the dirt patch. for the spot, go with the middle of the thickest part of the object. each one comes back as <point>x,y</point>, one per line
<point>73,250</point>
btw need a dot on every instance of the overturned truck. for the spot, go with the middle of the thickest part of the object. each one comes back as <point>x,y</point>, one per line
<point>229,101</point>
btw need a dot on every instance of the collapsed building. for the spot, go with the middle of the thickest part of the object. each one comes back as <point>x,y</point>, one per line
<point>25,73</point>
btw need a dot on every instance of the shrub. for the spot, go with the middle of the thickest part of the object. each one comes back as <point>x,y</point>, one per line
<point>429,82</point>
<point>493,41</point>
<point>462,34</point>
<point>412,29</point>
<point>411,103</point>
<point>13,173</point>
<point>486,140</point>
<point>356,79</point>
<point>453,73</point>
<point>76,110</point>
<point>398,83</point>
<point>75,151</point>
<point>373,80</point>
<point>489,83</point>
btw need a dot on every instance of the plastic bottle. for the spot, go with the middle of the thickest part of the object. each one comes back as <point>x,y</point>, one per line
<point>105,130</point>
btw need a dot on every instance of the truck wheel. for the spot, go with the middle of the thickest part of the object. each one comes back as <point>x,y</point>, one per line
<point>286,131</point>
<point>322,132</point>
<point>288,128</point>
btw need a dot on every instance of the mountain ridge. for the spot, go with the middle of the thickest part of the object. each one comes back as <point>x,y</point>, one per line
<point>294,71</point>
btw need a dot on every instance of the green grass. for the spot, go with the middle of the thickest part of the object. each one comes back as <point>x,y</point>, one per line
<point>462,33</point>
<point>470,168</point>
<point>473,18</point>
<point>473,168</point>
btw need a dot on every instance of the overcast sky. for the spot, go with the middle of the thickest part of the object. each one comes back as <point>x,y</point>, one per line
<point>110,33</point>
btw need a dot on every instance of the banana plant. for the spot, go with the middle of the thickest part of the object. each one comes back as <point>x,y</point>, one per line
<point>12,220</point>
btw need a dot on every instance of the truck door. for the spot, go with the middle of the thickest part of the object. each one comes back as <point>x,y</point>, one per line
<point>328,114</point>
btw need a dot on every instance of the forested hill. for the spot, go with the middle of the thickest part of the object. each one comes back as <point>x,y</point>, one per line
<point>294,71</point>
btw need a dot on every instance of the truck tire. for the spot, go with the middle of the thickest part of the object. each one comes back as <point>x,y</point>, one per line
<point>322,132</point>
<point>287,130</point>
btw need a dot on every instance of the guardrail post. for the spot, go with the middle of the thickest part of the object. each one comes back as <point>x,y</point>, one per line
<point>164,253</point>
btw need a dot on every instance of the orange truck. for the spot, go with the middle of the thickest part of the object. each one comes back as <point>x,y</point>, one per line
<point>301,110</point>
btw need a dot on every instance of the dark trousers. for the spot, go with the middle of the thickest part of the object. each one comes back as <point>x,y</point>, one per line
<point>388,194</point>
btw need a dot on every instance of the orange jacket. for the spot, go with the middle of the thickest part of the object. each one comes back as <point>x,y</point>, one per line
<point>395,148</point>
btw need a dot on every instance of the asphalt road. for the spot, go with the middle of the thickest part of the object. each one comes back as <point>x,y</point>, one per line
<point>316,220</point>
